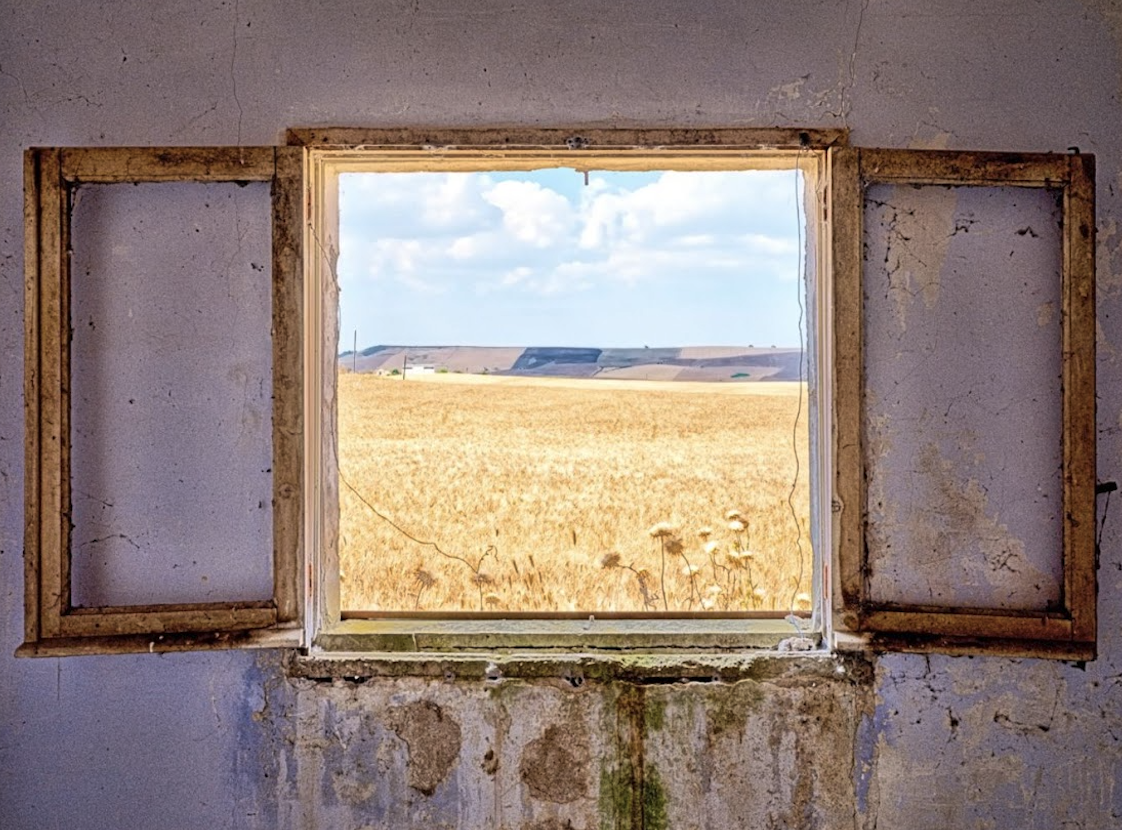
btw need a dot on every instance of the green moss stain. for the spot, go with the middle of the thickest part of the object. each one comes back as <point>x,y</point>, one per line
<point>654,801</point>
<point>654,715</point>
<point>615,799</point>
<point>632,795</point>
<point>729,707</point>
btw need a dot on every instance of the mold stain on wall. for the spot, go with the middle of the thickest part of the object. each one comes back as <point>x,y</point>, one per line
<point>774,750</point>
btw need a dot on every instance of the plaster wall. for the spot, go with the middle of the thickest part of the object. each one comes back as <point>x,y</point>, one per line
<point>229,740</point>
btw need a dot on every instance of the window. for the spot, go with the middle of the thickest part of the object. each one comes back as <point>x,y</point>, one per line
<point>650,562</point>
<point>950,323</point>
<point>583,414</point>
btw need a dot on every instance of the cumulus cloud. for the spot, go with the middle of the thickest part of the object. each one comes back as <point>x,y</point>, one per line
<point>546,234</point>
<point>533,214</point>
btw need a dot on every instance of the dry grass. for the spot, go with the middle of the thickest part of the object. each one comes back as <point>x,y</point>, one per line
<point>569,495</point>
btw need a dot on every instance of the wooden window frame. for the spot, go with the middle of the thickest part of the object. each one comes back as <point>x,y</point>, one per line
<point>1069,631</point>
<point>327,629</point>
<point>53,627</point>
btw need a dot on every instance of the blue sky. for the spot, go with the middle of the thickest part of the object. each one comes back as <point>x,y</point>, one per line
<point>540,258</point>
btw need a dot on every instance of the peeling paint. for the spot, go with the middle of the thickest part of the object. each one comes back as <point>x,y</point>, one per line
<point>913,257</point>
<point>1045,313</point>
<point>555,766</point>
<point>963,490</point>
<point>959,517</point>
<point>433,738</point>
<point>933,139</point>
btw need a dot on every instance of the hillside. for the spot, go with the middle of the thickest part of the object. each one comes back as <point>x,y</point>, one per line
<point>693,363</point>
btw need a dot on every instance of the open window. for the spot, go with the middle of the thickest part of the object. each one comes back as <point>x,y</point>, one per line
<point>949,425</point>
<point>966,400</point>
<point>569,389</point>
<point>136,499</point>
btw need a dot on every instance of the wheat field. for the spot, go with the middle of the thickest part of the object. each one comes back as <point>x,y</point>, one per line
<point>469,492</point>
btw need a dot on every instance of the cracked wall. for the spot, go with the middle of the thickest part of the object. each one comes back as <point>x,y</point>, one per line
<point>227,740</point>
<point>411,752</point>
<point>964,483</point>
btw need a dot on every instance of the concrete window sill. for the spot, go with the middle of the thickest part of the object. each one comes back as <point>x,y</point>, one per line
<point>575,667</point>
<point>467,634</point>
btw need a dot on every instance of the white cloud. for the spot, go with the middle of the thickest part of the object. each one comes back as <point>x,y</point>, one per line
<point>454,200</point>
<point>405,261</point>
<point>690,210</point>
<point>531,213</point>
<point>758,243</point>
<point>438,232</point>
<point>520,274</point>
<point>468,247</point>
<point>426,257</point>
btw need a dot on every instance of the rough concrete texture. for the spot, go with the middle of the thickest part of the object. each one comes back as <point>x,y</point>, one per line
<point>224,740</point>
<point>511,753</point>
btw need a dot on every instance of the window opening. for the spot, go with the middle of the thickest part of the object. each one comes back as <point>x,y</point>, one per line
<point>573,392</point>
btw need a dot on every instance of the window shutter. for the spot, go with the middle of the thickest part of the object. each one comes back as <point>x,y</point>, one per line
<point>965,382</point>
<point>53,625</point>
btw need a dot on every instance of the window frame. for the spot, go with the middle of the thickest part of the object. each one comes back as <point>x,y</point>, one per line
<point>300,608</point>
<point>1068,632</point>
<point>52,626</point>
<point>328,149</point>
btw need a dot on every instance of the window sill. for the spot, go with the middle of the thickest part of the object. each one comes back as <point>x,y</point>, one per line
<point>643,667</point>
<point>646,650</point>
<point>454,635</point>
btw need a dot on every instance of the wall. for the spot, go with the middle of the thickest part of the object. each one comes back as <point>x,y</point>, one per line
<point>228,740</point>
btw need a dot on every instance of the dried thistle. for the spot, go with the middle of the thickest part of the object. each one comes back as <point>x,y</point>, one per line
<point>705,532</point>
<point>664,534</point>
<point>739,558</point>
<point>732,515</point>
<point>492,599</point>
<point>609,560</point>
<point>736,526</point>
<point>482,578</point>
<point>424,580</point>
<point>643,577</point>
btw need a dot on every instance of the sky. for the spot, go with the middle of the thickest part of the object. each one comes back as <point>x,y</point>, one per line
<point>540,258</point>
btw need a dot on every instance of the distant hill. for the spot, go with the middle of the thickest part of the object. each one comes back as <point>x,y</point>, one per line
<point>697,363</point>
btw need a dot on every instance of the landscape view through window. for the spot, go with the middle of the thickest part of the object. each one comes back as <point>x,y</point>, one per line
<point>570,392</point>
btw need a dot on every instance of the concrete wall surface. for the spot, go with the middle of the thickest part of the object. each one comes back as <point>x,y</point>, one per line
<point>231,740</point>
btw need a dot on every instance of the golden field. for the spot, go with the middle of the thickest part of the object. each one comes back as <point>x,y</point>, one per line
<point>546,494</point>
